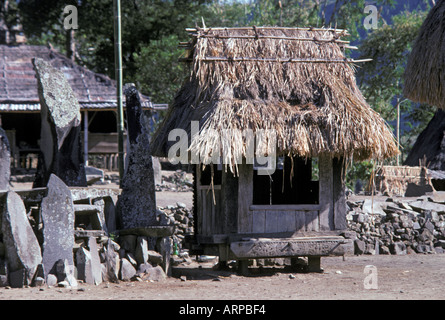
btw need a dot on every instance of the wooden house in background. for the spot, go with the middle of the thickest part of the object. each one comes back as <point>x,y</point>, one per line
<point>297,83</point>
<point>20,107</point>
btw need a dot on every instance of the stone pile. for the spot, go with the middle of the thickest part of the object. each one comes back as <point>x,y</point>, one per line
<point>183,220</point>
<point>398,225</point>
<point>179,181</point>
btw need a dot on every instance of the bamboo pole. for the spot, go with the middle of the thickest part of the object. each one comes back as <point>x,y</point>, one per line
<point>281,60</point>
<point>119,79</point>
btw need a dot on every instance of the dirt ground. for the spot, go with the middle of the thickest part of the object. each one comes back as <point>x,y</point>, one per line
<point>398,277</point>
<point>414,276</point>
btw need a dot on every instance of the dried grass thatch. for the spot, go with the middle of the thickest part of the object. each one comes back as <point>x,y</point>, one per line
<point>293,80</point>
<point>395,180</point>
<point>425,72</point>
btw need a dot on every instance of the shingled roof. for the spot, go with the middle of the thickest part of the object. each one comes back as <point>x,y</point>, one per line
<point>18,84</point>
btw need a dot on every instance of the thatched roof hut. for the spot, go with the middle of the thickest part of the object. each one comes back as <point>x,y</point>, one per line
<point>425,72</point>
<point>430,145</point>
<point>296,81</point>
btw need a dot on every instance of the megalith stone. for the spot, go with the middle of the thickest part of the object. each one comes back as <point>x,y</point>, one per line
<point>88,264</point>
<point>141,251</point>
<point>57,212</point>
<point>137,202</point>
<point>95,261</point>
<point>22,248</point>
<point>111,262</point>
<point>65,271</point>
<point>127,270</point>
<point>5,161</point>
<point>60,128</point>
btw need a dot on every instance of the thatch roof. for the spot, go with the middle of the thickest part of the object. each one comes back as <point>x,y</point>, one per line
<point>425,72</point>
<point>430,145</point>
<point>293,80</point>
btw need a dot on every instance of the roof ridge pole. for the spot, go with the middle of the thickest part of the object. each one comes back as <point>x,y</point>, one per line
<point>119,79</point>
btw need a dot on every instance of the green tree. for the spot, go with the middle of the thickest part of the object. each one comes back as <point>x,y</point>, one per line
<point>381,80</point>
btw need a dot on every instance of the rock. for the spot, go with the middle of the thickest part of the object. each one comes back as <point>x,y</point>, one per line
<point>5,161</point>
<point>63,284</point>
<point>51,280</point>
<point>359,247</point>
<point>137,202</point>
<point>157,170</point>
<point>373,207</point>
<point>3,280</point>
<point>127,271</point>
<point>141,252</point>
<point>57,212</point>
<point>39,282</point>
<point>165,249</point>
<point>65,272</point>
<point>130,257</point>
<point>420,206</point>
<point>22,248</point>
<point>437,196</point>
<point>94,175</point>
<point>111,263</point>
<point>144,267</point>
<point>398,248</point>
<point>96,269</point>
<point>154,274</point>
<point>60,128</point>
<point>18,278</point>
<point>128,242</point>
<point>154,257</point>
<point>181,204</point>
<point>429,225</point>
<point>83,265</point>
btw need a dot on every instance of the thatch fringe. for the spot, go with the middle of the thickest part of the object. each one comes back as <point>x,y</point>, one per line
<point>425,72</point>
<point>313,108</point>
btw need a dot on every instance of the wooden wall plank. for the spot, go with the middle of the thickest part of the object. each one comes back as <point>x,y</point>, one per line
<point>258,221</point>
<point>272,221</point>
<point>229,202</point>
<point>339,194</point>
<point>245,197</point>
<point>289,221</point>
<point>300,221</point>
<point>326,192</point>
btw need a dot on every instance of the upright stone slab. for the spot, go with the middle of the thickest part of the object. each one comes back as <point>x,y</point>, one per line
<point>60,128</point>
<point>57,212</point>
<point>22,249</point>
<point>5,161</point>
<point>96,271</point>
<point>112,263</point>
<point>137,202</point>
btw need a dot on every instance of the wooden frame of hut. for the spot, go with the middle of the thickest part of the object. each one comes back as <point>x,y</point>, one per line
<point>297,83</point>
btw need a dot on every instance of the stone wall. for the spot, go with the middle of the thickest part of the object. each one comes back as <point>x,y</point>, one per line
<point>398,225</point>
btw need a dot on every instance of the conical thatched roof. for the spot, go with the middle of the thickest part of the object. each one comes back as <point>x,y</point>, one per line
<point>430,145</point>
<point>293,80</point>
<point>425,72</point>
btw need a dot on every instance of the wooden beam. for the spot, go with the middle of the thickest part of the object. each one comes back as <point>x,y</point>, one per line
<point>326,192</point>
<point>339,195</point>
<point>85,137</point>
<point>245,197</point>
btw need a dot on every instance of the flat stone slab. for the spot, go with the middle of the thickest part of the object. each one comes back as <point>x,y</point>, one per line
<point>427,205</point>
<point>57,212</point>
<point>21,245</point>
<point>154,231</point>
<point>291,247</point>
